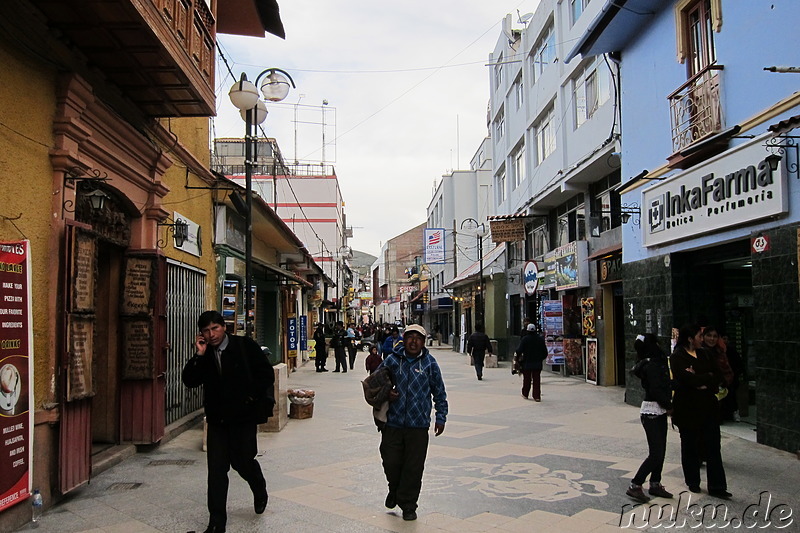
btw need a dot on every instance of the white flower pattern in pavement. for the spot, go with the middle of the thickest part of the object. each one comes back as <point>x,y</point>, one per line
<point>521,481</point>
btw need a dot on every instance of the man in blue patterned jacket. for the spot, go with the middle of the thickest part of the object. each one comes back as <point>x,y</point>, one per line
<point>418,386</point>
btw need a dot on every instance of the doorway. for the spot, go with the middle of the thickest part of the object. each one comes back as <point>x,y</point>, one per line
<point>105,364</point>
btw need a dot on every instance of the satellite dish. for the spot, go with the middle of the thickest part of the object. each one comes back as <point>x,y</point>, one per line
<point>524,19</point>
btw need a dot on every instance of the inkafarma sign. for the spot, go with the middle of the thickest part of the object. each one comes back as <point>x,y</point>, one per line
<point>740,186</point>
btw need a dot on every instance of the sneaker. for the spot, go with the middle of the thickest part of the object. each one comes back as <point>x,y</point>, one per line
<point>391,501</point>
<point>657,490</point>
<point>636,492</point>
<point>409,515</point>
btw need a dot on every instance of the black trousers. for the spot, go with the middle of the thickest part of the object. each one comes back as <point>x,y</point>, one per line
<point>352,350</point>
<point>403,451</point>
<point>707,436</point>
<point>478,361</point>
<point>341,359</point>
<point>231,445</point>
<point>655,427</point>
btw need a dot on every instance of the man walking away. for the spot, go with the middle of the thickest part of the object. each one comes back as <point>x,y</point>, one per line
<point>477,346</point>
<point>418,386</point>
<point>320,350</point>
<point>237,382</point>
<point>532,351</point>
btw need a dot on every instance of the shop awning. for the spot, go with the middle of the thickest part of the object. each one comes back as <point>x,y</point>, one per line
<point>472,272</point>
<point>604,252</point>
<point>291,276</point>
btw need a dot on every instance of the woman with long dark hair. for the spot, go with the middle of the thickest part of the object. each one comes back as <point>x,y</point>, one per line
<point>696,411</point>
<point>653,369</point>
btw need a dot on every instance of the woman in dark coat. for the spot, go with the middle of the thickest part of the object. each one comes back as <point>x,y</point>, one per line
<point>696,411</point>
<point>653,369</point>
<point>532,351</point>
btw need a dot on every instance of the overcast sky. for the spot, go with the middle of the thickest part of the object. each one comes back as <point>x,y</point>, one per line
<point>407,91</point>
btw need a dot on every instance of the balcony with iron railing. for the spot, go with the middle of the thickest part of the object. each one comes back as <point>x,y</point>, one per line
<point>695,109</point>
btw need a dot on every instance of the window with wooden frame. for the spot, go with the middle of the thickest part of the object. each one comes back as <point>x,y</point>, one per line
<point>696,21</point>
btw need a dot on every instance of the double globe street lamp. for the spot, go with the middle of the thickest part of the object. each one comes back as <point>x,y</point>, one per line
<point>245,97</point>
<point>480,232</point>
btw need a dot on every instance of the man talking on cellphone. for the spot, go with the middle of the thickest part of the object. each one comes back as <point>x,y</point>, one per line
<point>237,382</point>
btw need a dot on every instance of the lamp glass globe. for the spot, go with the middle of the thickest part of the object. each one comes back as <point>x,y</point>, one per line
<point>243,95</point>
<point>275,87</point>
<point>259,113</point>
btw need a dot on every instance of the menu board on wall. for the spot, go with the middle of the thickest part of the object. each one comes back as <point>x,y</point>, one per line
<point>137,349</point>
<point>137,289</point>
<point>79,357</point>
<point>16,383</point>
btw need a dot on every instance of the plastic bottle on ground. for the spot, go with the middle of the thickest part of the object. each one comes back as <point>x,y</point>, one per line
<point>37,503</point>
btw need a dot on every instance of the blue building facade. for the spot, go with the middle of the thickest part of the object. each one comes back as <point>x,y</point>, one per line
<point>710,130</point>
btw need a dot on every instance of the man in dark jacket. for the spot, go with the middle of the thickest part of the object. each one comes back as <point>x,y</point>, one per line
<point>532,352</point>
<point>477,346</point>
<point>320,350</point>
<point>237,382</point>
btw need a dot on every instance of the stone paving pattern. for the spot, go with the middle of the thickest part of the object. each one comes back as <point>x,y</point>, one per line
<point>504,464</point>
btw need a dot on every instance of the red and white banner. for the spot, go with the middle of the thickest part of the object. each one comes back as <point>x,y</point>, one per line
<point>16,373</point>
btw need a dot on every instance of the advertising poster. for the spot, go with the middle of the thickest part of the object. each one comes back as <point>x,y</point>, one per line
<point>16,345</point>
<point>555,349</point>
<point>591,361</point>
<point>292,335</point>
<point>587,324</point>
<point>434,245</point>
<point>573,356</point>
<point>552,317</point>
<point>303,333</point>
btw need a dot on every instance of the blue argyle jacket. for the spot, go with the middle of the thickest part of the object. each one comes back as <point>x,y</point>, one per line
<point>420,385</point>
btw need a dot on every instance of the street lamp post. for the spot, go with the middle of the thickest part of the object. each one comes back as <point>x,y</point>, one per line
<point>245,97</point>
<point>480,233</point>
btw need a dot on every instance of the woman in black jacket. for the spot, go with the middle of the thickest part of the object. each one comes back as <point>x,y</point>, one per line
<point>696,411</point>
<point>653,369</point>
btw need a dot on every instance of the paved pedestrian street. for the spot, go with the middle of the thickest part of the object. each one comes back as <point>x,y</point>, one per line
<point>504,464</point>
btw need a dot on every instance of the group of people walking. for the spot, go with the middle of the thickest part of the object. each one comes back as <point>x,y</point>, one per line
<point>237,381</point>
<point>688,386</point>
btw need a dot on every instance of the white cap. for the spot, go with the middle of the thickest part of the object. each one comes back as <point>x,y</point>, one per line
<point>416,328</point>
<point>531,327</point>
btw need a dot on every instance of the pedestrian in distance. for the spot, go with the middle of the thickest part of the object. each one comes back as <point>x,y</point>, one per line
<point>418,387</point>
<point>352,344</point>
<point>339,345</point>
<point>652,368</point>
<point>392,342</point>
<point>477,346</point>
<point>696,411</point>
<point>237,382</point>
<point>373,360</point>
<point>532,351</point>
<point>320,349</point>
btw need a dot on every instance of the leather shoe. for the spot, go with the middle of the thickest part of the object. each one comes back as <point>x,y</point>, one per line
<point>260,502</point>
<point>695,489</point>
<point>215,529</point>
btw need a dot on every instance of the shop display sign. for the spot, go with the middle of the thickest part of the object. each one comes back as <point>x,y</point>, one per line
<point>741,186</point>
<point>16,383</point>
<point>434,245</point>
<point>507,230</point>
<point>588,320</point>
<point>531,277</point>
<point>566,266</point>
<point>303,333</point>
<point>292,335</point>
<point>192,244</point>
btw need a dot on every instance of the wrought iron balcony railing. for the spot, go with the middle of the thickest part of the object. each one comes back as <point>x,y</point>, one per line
<point>695,109</point>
